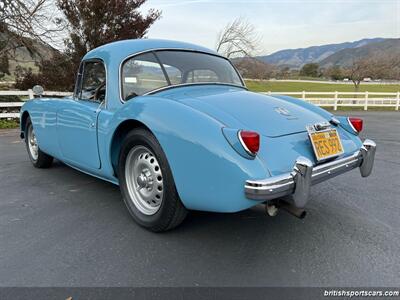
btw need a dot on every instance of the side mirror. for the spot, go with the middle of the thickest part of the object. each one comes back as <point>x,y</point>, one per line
<point>38,90</point>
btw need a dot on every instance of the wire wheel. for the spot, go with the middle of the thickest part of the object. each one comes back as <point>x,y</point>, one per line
<point>144,180</point>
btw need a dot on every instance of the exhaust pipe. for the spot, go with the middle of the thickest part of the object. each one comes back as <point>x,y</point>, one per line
<point>293,210</point>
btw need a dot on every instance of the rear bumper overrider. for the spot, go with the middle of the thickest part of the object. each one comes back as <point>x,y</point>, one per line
<point>297,183</point>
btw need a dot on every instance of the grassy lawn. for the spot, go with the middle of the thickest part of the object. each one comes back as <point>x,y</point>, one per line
<point>265,86</point>
<point>7,124</point>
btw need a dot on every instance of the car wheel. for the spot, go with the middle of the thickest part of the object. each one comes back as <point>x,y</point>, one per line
<point>38,158</point>
<point>147,184</point>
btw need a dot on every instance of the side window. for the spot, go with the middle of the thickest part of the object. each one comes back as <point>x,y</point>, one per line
<point>141,74</point>
<point>92,82</point>
<point>202,76</point>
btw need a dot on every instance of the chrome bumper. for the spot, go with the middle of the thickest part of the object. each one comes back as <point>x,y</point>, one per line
<point>298,182</point>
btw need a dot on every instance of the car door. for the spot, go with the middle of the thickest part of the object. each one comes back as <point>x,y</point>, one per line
<point>77,118</point>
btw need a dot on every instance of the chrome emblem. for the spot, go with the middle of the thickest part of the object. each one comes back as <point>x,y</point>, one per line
<point>282,111</point>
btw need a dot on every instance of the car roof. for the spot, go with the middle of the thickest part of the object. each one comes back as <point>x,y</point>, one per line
<point>119,50</point>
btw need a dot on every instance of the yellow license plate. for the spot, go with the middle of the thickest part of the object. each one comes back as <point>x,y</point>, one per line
<point>326,144</point>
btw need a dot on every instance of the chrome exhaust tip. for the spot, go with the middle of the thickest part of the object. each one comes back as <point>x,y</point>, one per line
<point>271,209</point>
<point>293,210</point>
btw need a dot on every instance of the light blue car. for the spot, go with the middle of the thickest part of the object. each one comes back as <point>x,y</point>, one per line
<point>174,126</point>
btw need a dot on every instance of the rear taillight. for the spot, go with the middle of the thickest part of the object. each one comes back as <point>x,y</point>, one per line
<point>250,141</point>
<point>356,124</point>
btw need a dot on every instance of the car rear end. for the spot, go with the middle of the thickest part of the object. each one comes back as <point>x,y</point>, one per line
<point>296,163</point>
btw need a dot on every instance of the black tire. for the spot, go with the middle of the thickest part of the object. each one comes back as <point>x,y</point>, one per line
<point>171,211</point>
<point>43,160</point>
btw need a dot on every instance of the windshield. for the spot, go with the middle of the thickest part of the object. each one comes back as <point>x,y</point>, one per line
<point>150,71</point>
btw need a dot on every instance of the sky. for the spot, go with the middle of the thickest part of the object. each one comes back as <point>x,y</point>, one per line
<point>281,25</point>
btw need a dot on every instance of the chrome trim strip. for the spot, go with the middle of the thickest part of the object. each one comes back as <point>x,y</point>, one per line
<point>304,175</point>
<point>244,145</point>
<point>83,72</point>
<point>335,121</point>
<point>351,125</point>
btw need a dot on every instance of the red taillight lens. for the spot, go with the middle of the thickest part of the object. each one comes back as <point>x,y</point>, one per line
<point>250,141</point>
<point>356,123</point>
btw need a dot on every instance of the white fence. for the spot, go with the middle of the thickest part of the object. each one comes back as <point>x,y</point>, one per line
<point>28,94</point>
<point>349,99</point>
<point>324,99</point>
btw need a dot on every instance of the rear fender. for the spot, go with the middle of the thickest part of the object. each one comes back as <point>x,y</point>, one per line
<point>209,174</point>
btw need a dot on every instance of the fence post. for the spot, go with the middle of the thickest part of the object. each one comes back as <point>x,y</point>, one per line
<point>336,100</point>
<point>366,101</point>
<point>398,101</point>
<point>30,94</point>
<point>304,95</point>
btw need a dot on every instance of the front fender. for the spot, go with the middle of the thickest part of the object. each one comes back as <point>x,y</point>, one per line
<point>42,113</point>
<point>209,174</point>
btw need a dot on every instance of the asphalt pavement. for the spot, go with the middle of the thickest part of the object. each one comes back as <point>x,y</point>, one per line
<point>59,227</point>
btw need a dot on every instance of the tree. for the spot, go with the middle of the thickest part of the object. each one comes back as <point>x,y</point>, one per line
<point>390,65</point>
<point>334,73</point>
<point>24,21</point>
<point>4,66</point>
<point>310,69</point>
<point>362,68</point>
<point>254,68</point>
<point>284,72</point>
<point>92,23</point>
<point>238,38</point>
<point>55,74</point>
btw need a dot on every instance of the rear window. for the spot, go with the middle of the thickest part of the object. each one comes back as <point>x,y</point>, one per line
<point>147,72</point>
<point>141,74</point>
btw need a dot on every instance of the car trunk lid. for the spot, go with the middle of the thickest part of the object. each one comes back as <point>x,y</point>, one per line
<point>234,107</point>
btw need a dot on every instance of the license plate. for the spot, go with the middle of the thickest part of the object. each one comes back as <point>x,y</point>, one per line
<point>326,143</point>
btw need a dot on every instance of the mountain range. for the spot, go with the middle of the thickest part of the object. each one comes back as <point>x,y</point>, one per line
<point>342,54</point>
<point>333,54</point>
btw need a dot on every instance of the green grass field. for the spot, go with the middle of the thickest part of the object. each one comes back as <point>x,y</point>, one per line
<point>7,124</point>
<point>265,86</point>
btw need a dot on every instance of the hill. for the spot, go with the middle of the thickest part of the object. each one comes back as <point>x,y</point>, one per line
<point>25,58</point>
<point>345,57</point>
<point>295,58</point>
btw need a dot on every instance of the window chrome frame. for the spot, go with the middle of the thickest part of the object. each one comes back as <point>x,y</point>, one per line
<point>82,64</point>
<point>154,51</point>
<point>172,86</point>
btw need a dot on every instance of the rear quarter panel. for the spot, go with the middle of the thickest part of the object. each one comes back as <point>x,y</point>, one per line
<point>209,174</point>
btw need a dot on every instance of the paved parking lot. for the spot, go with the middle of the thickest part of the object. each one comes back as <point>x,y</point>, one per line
<point>59,227</point>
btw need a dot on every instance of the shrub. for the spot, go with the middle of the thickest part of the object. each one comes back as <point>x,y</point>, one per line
<point>8,123</point>
<point>10,98</point>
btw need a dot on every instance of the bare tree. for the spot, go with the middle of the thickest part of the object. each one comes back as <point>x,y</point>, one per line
<point>253,68</point>
<point>362,68</point>
<point>390,66</point>
<point>22,21</point>
<point>238,38</point>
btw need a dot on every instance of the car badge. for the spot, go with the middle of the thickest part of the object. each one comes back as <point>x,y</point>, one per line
<point>282,111</point>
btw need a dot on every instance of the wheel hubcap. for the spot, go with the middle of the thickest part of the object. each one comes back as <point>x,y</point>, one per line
<point>32,144</point>
<point>144,180</point>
